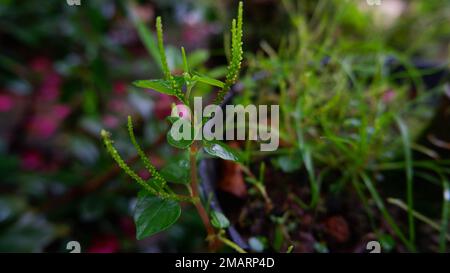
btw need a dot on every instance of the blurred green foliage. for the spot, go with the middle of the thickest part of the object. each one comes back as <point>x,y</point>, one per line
<point>66,72</point>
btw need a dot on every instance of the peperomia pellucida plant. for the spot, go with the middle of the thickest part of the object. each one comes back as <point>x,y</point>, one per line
<point>158,205</point>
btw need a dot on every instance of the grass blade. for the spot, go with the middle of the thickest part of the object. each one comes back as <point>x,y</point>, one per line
<point>409,176</point>
<point>445,216</point>
<point>380,204</point>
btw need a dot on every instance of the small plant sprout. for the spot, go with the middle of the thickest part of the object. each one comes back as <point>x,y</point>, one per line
<point>158,205</point>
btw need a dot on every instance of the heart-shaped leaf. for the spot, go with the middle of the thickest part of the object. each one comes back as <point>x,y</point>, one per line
<point>221,150</point>
<point>154,214</point>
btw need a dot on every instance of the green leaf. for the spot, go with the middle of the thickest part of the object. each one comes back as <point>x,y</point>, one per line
<point>30,233</point>
<point>208,80</point>
<point>153,214</point>
<point>221,150</point>
<point>161,86</point>
<point>218,220</point>
<point>387,242</point>
<point>177,170</point>
<point>185,62</point>
<point>180,144</point>
<point>172,119</point>
<point>197,57</point>
<point>11,207</point>
<point>179,80</point>
<point>149,41</point>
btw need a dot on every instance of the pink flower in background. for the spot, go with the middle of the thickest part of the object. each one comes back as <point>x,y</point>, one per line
<point>388,96</point>
<point>183,111</point>
<point>197,34</point>
<point>31,160</point>
<point>49,90</point>
<point>60,111</point>
<point>144,12</point>
<point>118,105</point>
<point>111,121</point>
<point>127,226</point>
<point>41,64</point>
<point>144,174</point>
<point>195,31</point>
<point>105,244</point>
<point>6,103</point>
<point>44,125</point>
<point>120,88</point>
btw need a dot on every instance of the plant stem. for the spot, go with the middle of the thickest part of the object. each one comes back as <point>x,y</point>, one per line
<point>231,244</point>
<point>211,237</point>
<point>259,186</point>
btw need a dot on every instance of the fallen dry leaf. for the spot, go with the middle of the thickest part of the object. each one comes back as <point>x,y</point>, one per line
<point>232,180</point>
<point>337,228</point>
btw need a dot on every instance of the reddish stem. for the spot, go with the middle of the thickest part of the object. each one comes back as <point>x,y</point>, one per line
<point>211,237</point>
